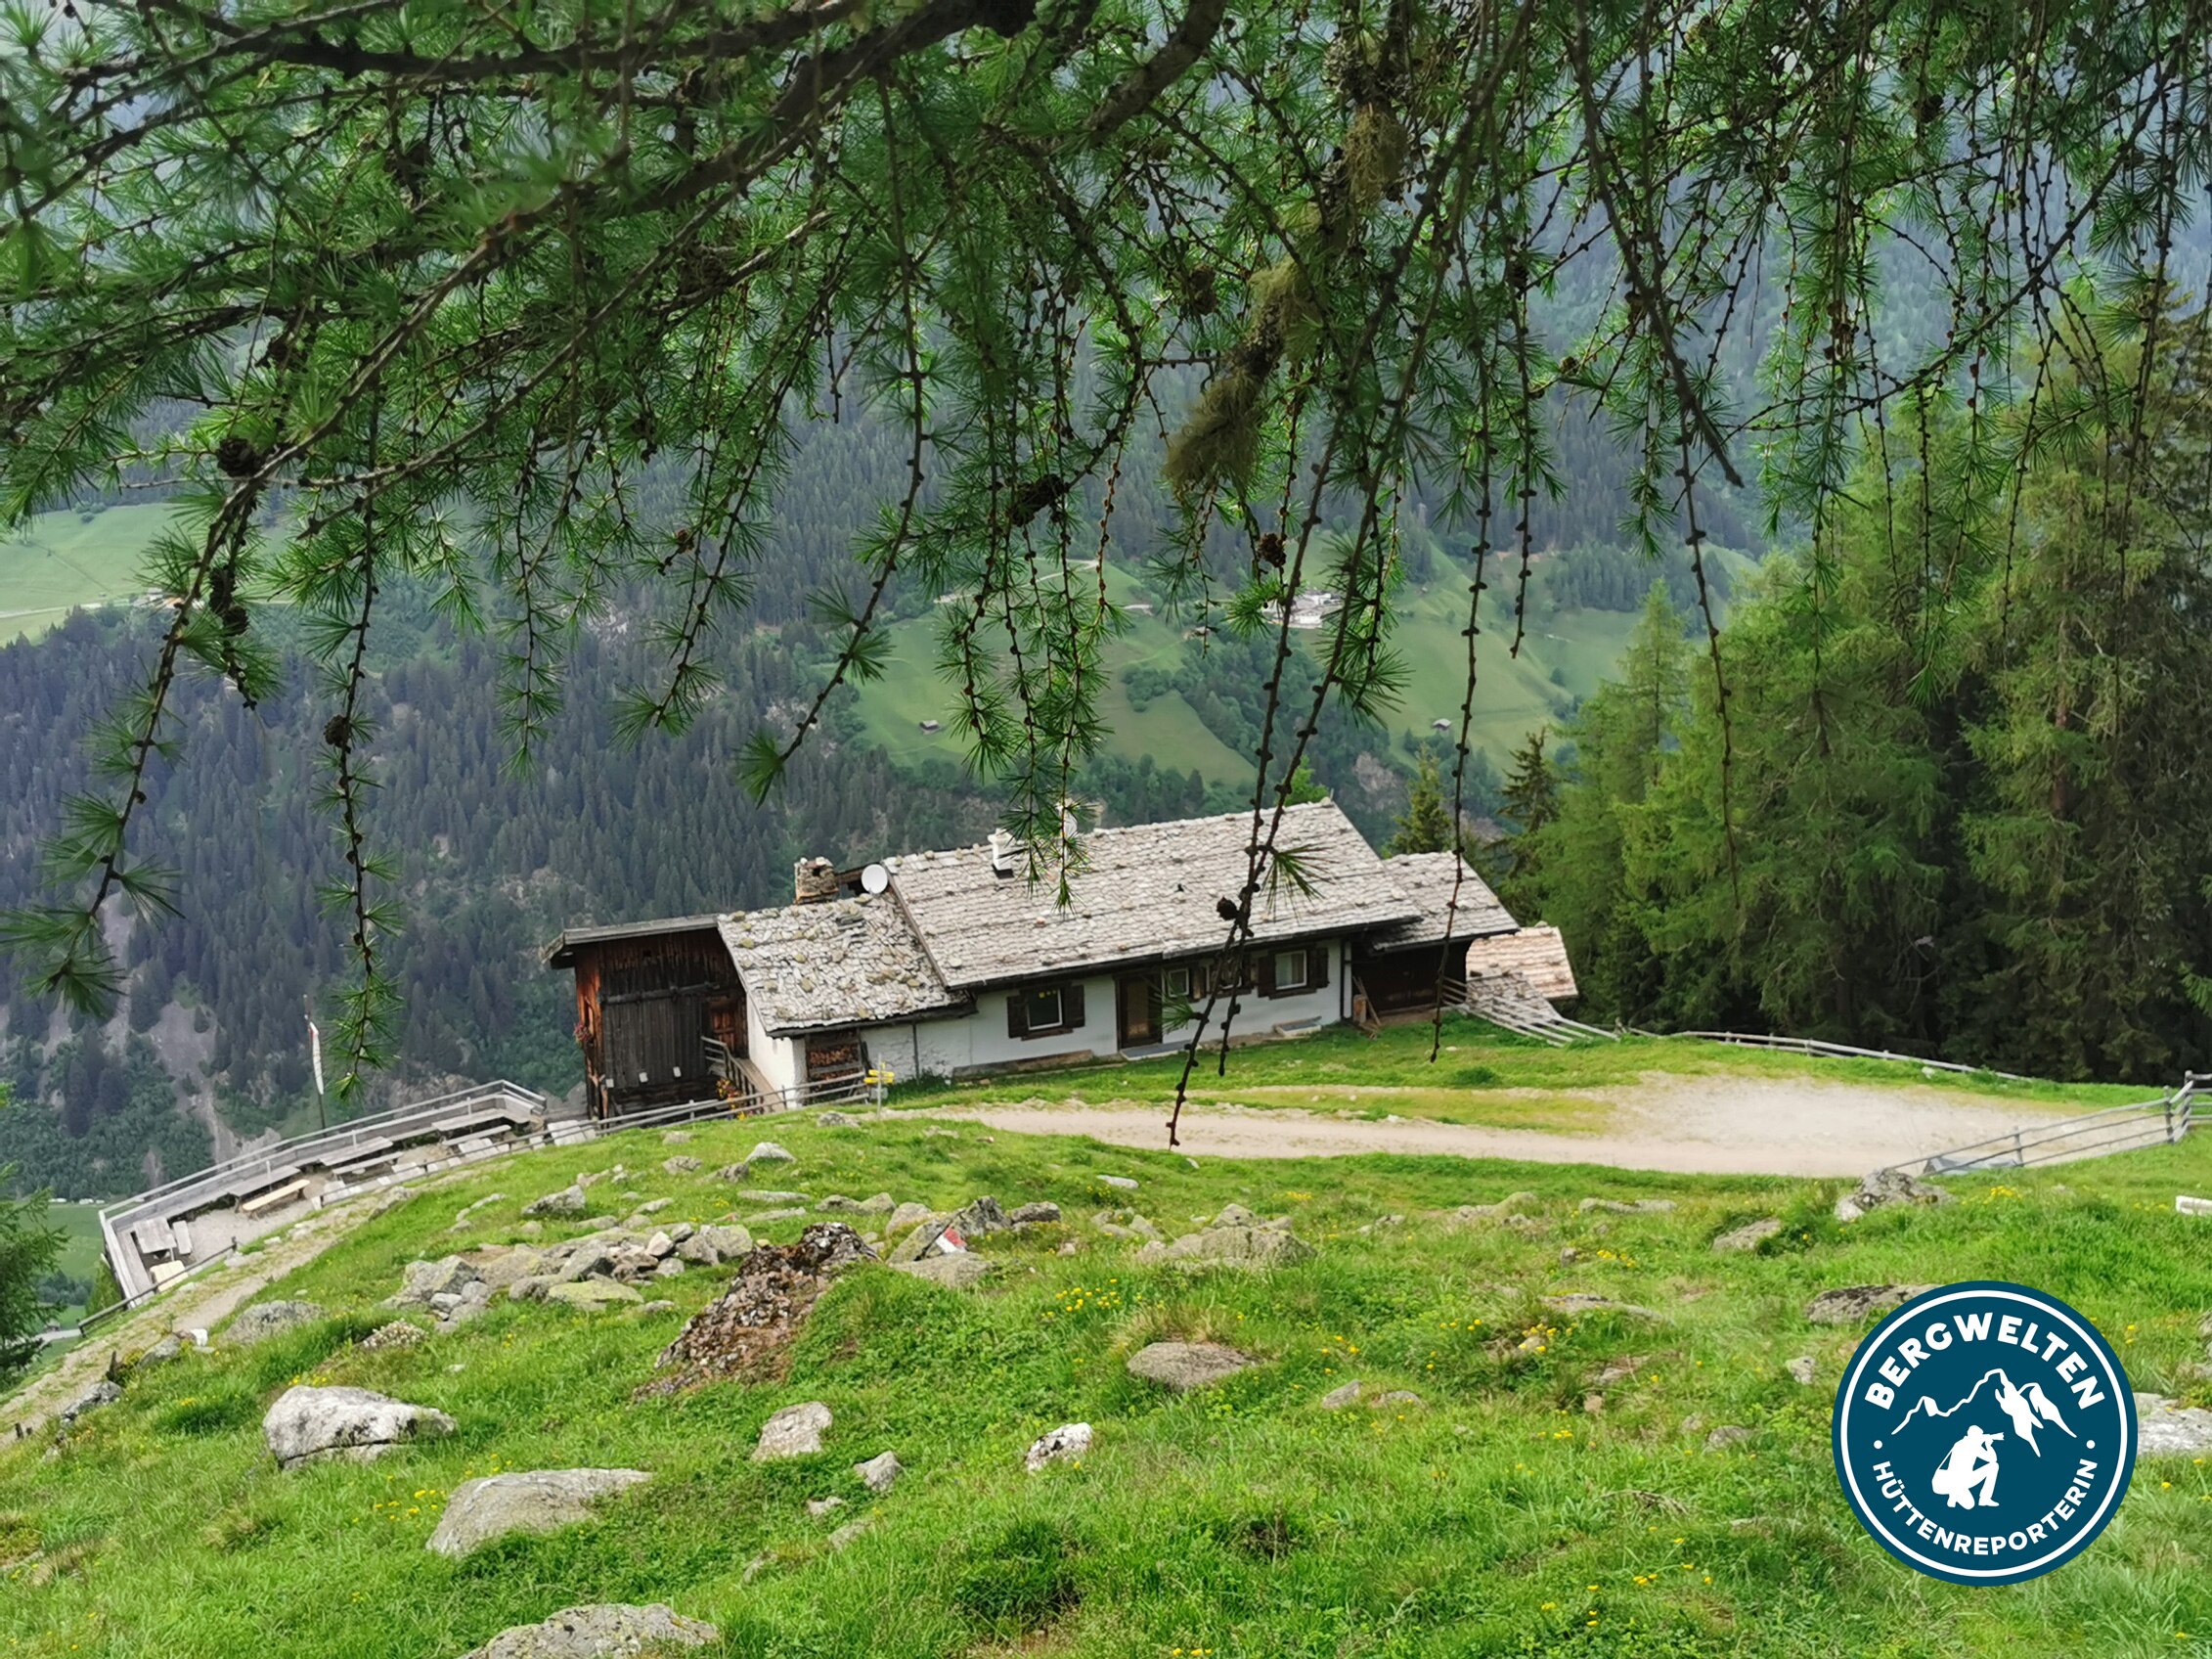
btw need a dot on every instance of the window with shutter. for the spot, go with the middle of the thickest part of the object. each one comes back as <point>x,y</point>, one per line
<point>1070,1005</point>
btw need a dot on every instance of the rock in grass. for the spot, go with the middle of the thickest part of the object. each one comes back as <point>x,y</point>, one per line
<point>879,1472</point>
<point>712,1246</point>
<point>591,1293</point>
<point>568,1201</point>
<point>537,1501</point>
<point>397,1334</point>
<point>1727,1435</point>
<point>794,1432</point>
<point>1801,1368</point>
<point>1040,1214</point>
<point>2165,1429</point>
<point>1337,1399</point>
<point>1580,1302</point>
<point>1512,1204</point>
<point>1885,1186</point>
<point>1635,1207</point>
<point>1855,1303</point>
<point>907,1217</point>
<point>769,1152</point>
<point>1120,1182</point>
<point>102,1393</point>
<point>1240,1247</point>
<point>1185,1365</point>
<point>1749,1237</point>
<point>307,1425</point>
<point>266,1319</point>
<point>603,1630</point>
<point>677,1137</point>
<point>682,1164</point>
<point>1068,1441</point>
<point>959,1272</point>
<point>836,1120</point>
<point>1398,1400</point>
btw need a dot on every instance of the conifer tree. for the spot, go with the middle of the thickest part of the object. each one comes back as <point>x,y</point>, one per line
<point>1425,827</point>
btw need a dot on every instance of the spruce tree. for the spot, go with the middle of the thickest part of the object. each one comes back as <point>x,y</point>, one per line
<point>1426,825</point>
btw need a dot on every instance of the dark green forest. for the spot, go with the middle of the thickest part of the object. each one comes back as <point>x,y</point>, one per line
<point>1978,831</point>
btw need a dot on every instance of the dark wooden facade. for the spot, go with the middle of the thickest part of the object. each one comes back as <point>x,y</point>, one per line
<point>1404,981</point>
<point>645,1006</point>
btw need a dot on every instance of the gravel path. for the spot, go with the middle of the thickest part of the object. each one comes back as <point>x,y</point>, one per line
<point>1717,1125</point>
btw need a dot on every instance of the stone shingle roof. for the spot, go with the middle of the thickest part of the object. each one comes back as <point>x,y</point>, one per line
<point>1426,879</point>
<point>1537,954</point>
<point>847,961</point>
<point>1145,892</point>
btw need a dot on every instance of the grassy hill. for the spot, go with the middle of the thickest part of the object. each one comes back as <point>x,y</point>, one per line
<point>61,561</point>
<point>1564,656</point>
<point>1552,1492</point>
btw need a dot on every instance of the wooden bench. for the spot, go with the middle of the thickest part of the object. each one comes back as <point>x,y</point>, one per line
<point>275,1199</point>
<point>155,1240</point>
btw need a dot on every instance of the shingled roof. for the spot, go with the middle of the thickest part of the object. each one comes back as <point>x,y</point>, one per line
<point>1427,878</point>
<point>849,962</point>
<point>1145,892</point>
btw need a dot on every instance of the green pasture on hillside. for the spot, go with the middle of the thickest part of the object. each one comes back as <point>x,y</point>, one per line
<point>1552,1492</point>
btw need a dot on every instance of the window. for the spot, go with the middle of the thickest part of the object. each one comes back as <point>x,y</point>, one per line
<point>1040,1008</point>
<point>1175,985</point>
<point>1044,1011</point>
<point>1291,971</point>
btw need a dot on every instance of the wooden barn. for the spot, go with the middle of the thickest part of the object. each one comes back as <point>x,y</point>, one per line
<point>651,998</point>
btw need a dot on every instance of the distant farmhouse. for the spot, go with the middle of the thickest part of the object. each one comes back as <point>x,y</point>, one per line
<point>949,964</point>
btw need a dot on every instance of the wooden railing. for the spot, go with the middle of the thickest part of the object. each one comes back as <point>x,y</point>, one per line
<point>2116,1129</point>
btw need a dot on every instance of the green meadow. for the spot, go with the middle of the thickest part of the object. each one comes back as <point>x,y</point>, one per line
<point>61,560</point>
<point>1551,1492</point>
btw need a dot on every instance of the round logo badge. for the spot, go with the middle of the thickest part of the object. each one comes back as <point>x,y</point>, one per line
<point>1984,1433</point>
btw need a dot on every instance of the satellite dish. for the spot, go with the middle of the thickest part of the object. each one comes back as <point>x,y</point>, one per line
<point>875,879</point>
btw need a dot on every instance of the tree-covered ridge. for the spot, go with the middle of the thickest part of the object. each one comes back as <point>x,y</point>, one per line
<point>493,863</point>
<point>456,276</point>
<point>1981,833</point>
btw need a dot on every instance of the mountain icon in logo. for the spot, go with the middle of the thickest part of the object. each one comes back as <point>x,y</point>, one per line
<point>2029,1408</point>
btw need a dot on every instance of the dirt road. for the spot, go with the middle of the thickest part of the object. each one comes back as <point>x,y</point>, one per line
<point>1713,1125</point>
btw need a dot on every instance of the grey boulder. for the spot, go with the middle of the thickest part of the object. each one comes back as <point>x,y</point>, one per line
<point>100,1394</point>
<point>1185,1365</point>
<point>309,1423</point>
<point>1252,1247</point>
<point>961,1270</point>
<point>603,1630</point>
<point>794,1432</point>
<point>2164,1429</point>
<point>265,1319</point>
<point>539,1500</point>
<point>1885,1186</point>
<point>879,1472</point>
<point>1855,1303</point>
<point>568,1201</point>
<point>1042,1213</point>
<point>1070,1441</point>
<point>1749,1237</point>
<point>769,1152</point>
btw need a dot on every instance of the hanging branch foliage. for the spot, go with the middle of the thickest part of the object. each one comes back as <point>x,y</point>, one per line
<point>461,272</point>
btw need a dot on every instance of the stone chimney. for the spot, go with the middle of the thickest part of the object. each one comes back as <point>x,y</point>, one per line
<point>1002,853</point>
<point>813,881</point>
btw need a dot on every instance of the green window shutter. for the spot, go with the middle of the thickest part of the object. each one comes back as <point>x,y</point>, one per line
<point>1071,1004</point>
<point>1017,1015</point>
<point>1317,963</point>
<point>1267,973</point>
